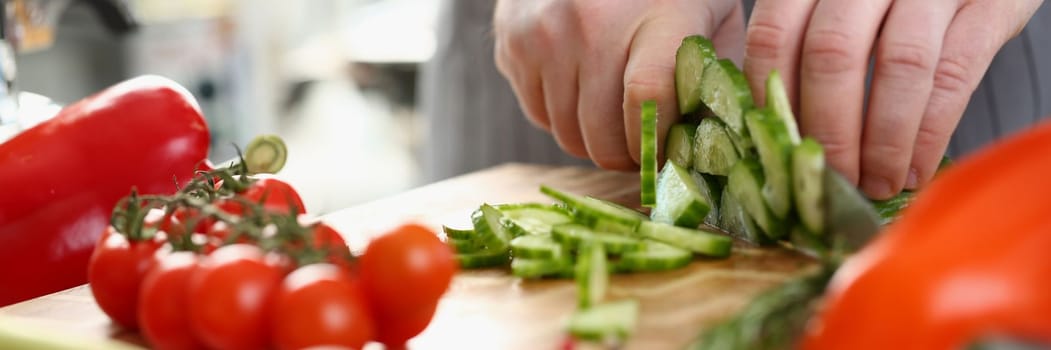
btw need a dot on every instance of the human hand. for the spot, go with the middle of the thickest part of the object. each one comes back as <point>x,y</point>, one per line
<point>929,55</point>
<point>582,68</point>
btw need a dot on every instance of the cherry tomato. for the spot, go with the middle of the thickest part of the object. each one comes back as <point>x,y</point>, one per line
<point>275,195</point>
<point>232,296</point>
<point>395,330</point>
<point>320,305</point>
<point>163,303</point>
<point>406,269</point>
<point>115,272</point>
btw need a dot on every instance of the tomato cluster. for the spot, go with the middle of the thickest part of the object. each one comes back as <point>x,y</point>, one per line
<point>230,263</point>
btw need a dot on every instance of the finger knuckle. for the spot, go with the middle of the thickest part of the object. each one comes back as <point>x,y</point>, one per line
<point>830,51</point>
<point>766,39</point>
<point>613,162</point>
<point>904,59</point>
<point>646,83</point>
<point>952,75</point>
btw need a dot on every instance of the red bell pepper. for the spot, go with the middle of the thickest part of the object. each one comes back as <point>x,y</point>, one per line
<point>60,180</point>
<point>968,260</point>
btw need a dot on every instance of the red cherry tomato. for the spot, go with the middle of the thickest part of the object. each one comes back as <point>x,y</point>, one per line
<point>232,297</point>
<point>275,195</point>
<point>163,303</point>
<point>320,305</point>
<point>405,270</point>
<point>115,273</point>
<point>395,330</point>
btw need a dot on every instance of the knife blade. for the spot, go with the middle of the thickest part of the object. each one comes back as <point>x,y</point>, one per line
<point>851,220</point>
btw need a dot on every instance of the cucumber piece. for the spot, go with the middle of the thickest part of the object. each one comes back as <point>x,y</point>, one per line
<point>713,151</point>
<point>808,243</point>
<point>654,256</point>
<point>702,242</point>
<point>265,154</point>
<point>745,182</point>
<point>734,220</point>
<point>489,227</point>
<point>679,144</point>
<point>535,247</point>
<point>775,149</point>
<point>743,144</point>
<point>592,275</point>
<point>461,234</point>
<point>694,54</point>
<point>483,259</point>
<point>808,168</point>
<point>679,201</point>
<point>597,213</point>
<point>725,91</point>
<point>573,236</point>
<point>889,209</point>
<point>464,245</point>
<point>537,268</point>
<point>533,219</point>
<point>777,102</point>
<point>711,187</point>
<point>605,321</point>
<point>649,153</point>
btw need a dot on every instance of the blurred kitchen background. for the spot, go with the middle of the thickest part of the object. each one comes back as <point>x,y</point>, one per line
<point>335,78</point>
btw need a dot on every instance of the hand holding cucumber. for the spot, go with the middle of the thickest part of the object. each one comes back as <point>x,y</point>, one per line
<point>929,57</point>
<point>582,68</point>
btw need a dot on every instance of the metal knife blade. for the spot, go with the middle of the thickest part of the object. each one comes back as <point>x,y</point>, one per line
<point>850,219</point>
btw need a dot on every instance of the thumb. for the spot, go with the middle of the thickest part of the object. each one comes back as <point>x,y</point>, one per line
<point>650,70</point>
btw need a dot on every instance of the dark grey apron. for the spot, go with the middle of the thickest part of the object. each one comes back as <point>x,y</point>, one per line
<point>474,121</point>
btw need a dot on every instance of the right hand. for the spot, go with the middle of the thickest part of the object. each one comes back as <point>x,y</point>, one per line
<point>581,68</point>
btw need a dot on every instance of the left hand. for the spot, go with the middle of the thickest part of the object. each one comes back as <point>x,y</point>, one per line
<point>930,56</point>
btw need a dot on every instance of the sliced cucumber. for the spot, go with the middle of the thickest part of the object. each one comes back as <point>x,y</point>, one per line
<point>808,243</point>
<point>265,154</point>
<point>649,153</point>
<point>777,101</point>
<point>533,219</point>
<point>745,183</point>
<point>743,144</point>
<point>465,245</point>
<point>679,144</point>
<point>694,54</point>
<point>535,247</point>
<point>573,236</point>
<point>713,151</point>
<point>489,227</point>
<point>734,220</point>
<point>604,321</point>
<point>536,268</point>
<point>679,200</point>
<point>775,149</point>
<point>592,275</point>
<point>654,256</point>
<point>725,91</point>
<point>889,209</point>
<point>711,187</point>
<point>483,259</point>
<point>702,242</point>
<point>808,168</point>
<point>606,216</point>
<point>456,233</point>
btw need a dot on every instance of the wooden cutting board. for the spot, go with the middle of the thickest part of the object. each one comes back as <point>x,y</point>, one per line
<point>489,309</point>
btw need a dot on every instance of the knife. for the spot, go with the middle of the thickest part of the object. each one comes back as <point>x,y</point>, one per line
<point>850,219</point>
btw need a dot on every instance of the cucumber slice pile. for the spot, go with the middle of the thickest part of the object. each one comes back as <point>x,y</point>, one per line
<point>679,144</point>
<point>679,200</point>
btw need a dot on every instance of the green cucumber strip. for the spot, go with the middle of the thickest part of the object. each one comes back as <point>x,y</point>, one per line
<point>702,242</point>
<point>649,153</point>
<point>537,268</point>
<point>456,233</point>
<point>775,149</point>
<point>777,101</point>
<point>534,220</point>
<point>745,183</point>
<point>725,91</point>
<point>654,256</point>
<point>889,209</point>
<point>535,247</point>
<point>679,201</point>
<point>711,187</point>
<point>694,54</point>
<point>573,236</point>
<point>597,212</point>
<point>488,225</point>
<point>465,245</point>
<point>483,259</point>
<point>592,275</point>
<point>604,321</point>
<point>713,151</point>
<point>734,220</point>
<point>679,144</point>
<point>808,168</point>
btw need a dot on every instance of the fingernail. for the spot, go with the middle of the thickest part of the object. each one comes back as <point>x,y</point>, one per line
<point>912,181</point>
<point>876,188</point>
